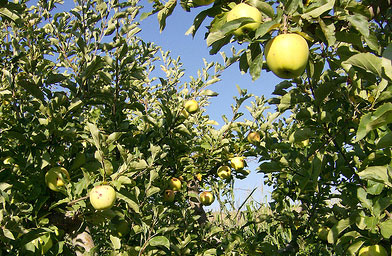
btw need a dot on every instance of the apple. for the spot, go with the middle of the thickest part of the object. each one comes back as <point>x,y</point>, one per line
<point>243,10</point>
<point>202,2</point>
<point>224,172</point>
<point>102,197</point>
<point>122,228</point>
<point>237,163</point>
<point>287,55</point>
<point>206,198</point>
<point>322,233</point>
<point>168,196</point>
<point>175,184</point>
<point>191,106</point>
<point>373,250</point>
<point>253,137</point>
<point>56,178</point>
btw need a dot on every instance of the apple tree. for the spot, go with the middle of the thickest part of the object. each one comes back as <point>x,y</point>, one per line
<point>326,147</point>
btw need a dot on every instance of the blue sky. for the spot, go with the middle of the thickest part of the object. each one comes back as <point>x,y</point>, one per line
<point>192,50</point>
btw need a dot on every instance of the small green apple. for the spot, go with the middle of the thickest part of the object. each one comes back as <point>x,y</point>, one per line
<point>175,184</point>
<point>102,197</point>
<point>243,10</point>
<point>253,137</point>
<point>224,172</point>
<point>238,162</point>
<point>322,233</point>
<point>373,250</point>
<point>122,228</point>
<point>206,198</point>
<point>56,178</point>
<point>202,2</point>
<point>168,195</point>
<point>191,106</point>
<point>287,55</point>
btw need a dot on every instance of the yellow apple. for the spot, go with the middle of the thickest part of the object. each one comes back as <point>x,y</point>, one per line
<point>287,55</point>
<point>206,198</point>
<point>175,184</point>
<point>243,10</point>
<point>102,197</point>
<point>373,250</point>
<point>203,2</point>
<point>238,163</point>
<point>56,178</point>
<point>168,196</point>
<point>191,106</point>
<point>224,172</point>
<point>322,233</point>
<point>253,137</point>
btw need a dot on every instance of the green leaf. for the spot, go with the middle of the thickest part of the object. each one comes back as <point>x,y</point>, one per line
<point>152,190</point>
<point>337,229</point>
<point>166,12</point>
<point>301,134</point>
<point>7,233</point>
<point>366,61</point>
<point>116,242</point>
<point>371,121</point>
<point>385,141</point>
<point>256,66</point>
<point>386,228</point>
<point>263,7</point>
<point>328,29</point>
<point>30,87</point>
<point>360,23</point>
<point>128,198</point>
<point>378,174</point>
<point>209,92</point>
<point>315,13</point>
<point>95,134</point>
<point>266,27</point>
<point>160,241</point>
<point>362,196</point>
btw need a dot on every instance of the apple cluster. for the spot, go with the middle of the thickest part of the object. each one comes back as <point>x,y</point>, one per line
<point>286,55</point>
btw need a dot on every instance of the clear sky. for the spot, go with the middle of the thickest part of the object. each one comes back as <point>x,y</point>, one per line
<point>192,51</point>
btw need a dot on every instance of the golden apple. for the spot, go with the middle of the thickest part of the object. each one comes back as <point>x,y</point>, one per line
<point>287,55</point>
<point>191,106</point>
<point>224,172</point>
<point>102,197</point>
<point>253,137</point>
<point>203,2</point>
<point>206,198</point>
<point>56,178</point>
<point>373,250</point>
<point>238,163</point>
<point>168,196</point>
<point>243,10</point>
<point>175,184</point>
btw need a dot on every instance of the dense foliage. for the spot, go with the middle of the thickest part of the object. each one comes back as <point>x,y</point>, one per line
<point>80,90</point>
